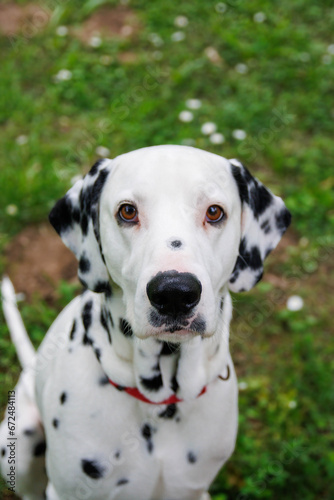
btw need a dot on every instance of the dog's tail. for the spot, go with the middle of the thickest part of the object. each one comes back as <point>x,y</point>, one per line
<point>24,348</point>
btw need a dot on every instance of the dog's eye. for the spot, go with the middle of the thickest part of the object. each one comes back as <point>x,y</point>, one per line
<point>128,213</point>
<point>214,214</point>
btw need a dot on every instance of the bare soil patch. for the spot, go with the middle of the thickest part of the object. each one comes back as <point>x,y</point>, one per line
<point>119,21</point>
<point>26,20</point>
<point>37,259</point>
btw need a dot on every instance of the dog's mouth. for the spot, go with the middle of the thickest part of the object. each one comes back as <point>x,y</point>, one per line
<point>179,325</point>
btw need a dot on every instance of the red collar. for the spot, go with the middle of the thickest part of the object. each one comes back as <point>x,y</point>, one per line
<point>135,393</point>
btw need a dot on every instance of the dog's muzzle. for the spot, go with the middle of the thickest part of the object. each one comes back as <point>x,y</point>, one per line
<point>174,294</point>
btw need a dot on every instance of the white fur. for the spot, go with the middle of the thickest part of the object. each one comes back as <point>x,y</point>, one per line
<point>141,453</point>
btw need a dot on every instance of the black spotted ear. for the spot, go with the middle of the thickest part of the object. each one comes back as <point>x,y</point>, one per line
<point>264,220</point>
<point>75,217</point>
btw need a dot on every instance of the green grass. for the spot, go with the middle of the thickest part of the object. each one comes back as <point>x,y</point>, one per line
<point>284,103</point>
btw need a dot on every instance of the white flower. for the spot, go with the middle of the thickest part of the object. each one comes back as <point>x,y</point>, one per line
<point>188,142</point>
<point>208,128</point>
<point>304,57</point>
<point>239,134</point>
<point>242,386</point>
<point>186,116</point>
<point>95,41</point>
<point>62,31</point>
<point>326,59</point>
<point>221,7</point>
<point>217,138</point>
<point>155,39</point>
<point>181,21</point>
<point>178,36</point>
<point>62,75</point>
<point>292,404</point>
<point>295,303</point>
<point>193,103</point>
<point>259,17</point>
<point>11,209</point>
<point>330,49</point>
<point>102,151</point>
<point>213,55</point>
<point>241,68</point>
<point>21,140</point>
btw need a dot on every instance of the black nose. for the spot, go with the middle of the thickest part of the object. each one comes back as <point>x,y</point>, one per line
<point>174,293</point>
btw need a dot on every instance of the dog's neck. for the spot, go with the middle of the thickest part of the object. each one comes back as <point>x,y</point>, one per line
<point>160,369</point>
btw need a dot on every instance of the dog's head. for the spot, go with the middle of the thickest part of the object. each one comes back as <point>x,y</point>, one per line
<point>173,227</point>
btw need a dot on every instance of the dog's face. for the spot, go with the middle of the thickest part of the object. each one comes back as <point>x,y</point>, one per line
<point>170,232</point>
<point>172,226</point>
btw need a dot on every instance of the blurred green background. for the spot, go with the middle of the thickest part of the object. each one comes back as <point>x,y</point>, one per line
<point>84,79</point>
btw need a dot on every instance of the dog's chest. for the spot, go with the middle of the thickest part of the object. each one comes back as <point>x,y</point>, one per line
<point>114,443</point>
<point>116,446</point>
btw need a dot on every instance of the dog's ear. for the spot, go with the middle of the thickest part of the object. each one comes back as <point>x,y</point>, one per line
<point>75,217</point>
<point>264,220</point>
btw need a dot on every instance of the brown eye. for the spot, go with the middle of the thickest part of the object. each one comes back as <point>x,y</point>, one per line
<point>214,214</point>
<point>128,213</point>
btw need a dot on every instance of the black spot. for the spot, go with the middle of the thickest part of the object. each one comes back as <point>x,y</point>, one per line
<point>169,412</point>
<point>76,214</point>
<point>87,314</point>
<point>74,327</point>
<point>92,468</point>
<point>86,340</point>
<point>169,348</point>
<point>63,397</point>
<point>251,191</point>
<point>191,457</point>
<point>222,303</point>
<point>265,226</point>
<point>174,384</point>
<point>84,264</point>
<point>98,185</point>
<point>146,431</point>
<point>117,454</point>
<point>3,452</point>
<point>120,387</point>
<point>283,220</point>
<point>84,224</point>
<point>198,325</point>
<point>110,319</point>
<point>241,183</point>
<point>104,323</point>
<point>248,258</point>
<point>176,244</point>
<point>260,198</point>
<point>122,481</point>
<point>125,327</point>
<point>61,215</point>
<point>29,432</point>
<point>103,287</point>
<point>39,449</point>
<point>95,167</point>
<point>97,353</point>
<point>104,380</point>
<point>55,423</point>
<point>152,384</point>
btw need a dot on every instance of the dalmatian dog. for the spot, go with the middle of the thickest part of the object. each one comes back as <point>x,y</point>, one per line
<point>133,394</point>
